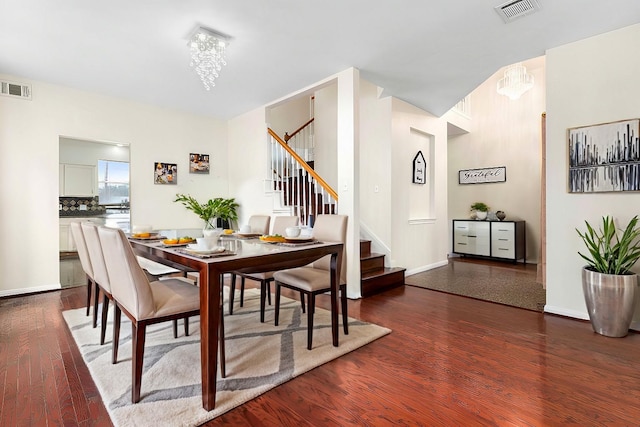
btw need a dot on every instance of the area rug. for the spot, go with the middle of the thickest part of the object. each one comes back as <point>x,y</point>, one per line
<point>488,283</point>
<point>259,356</point>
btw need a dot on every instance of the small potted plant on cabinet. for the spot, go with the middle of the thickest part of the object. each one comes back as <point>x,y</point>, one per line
<point>480,210</point>
<point>608,284</point>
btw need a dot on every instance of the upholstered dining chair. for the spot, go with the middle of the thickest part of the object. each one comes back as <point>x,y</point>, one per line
<point>92,240</point>
<point>280,224</point>
<point>315,278</point>
<point>258,224</point>
<point>85,262</point>
<point>144,303</point>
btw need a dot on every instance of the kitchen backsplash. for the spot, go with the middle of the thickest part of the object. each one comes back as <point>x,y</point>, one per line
<point>80,206</point>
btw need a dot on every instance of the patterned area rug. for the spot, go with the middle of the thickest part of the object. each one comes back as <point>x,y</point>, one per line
<point>259,356</point>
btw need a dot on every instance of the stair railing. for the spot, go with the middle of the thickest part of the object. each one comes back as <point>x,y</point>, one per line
<point>302,189</point>
<point>301,141</point>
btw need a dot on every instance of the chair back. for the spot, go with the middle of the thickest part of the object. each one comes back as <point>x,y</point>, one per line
<point>129,285</point>
<point>331,228</point>
<point>81,247</point>
<point>281,222</point>
<point>259,223</point>
<point>94,248</point>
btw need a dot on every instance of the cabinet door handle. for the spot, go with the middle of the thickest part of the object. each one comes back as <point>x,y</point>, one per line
<point>504,240</point>
<point>472,236</point>
<point>461,244</point>
<point>503,249</point>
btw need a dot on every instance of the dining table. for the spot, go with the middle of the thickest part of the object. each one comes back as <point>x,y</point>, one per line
<point>245,255</point>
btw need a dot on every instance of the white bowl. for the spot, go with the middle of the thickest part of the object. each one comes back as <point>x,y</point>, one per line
<point>292,231</point>
<point>141,229</point>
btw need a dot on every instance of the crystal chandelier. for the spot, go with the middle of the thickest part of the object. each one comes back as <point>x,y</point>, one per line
<point>515,82</point>
<point>207,54</point>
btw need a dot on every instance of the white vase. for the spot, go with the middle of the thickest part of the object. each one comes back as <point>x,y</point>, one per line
<point>481,215</point>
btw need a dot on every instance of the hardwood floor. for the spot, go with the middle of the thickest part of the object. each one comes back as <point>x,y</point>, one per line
<point>450,360</point>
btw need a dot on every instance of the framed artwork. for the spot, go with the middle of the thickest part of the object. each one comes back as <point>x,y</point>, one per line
<point>419,169</point>
<point>604,157</point>
<point>165,173</point>
<point>198,163</point>
<point>483,175</point>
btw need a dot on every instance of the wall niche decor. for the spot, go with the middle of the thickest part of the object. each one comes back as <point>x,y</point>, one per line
<point>604,157</point>
<point>419,169</point>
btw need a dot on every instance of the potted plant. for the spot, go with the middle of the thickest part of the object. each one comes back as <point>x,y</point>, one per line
<point>480,209</point>
<point>608,283</point>
<point>225,210</point>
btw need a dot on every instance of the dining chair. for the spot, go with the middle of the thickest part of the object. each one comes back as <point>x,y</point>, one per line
<point>315,278</point>
<point>144,303</point>
<point>85,262</point>
<point>280,224</point>
<point>94,249</point>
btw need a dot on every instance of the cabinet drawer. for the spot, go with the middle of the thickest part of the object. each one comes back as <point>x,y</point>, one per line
<point>503,240</point>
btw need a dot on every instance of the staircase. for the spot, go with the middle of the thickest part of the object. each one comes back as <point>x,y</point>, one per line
<point>301,191</point>
<point>375,277</point>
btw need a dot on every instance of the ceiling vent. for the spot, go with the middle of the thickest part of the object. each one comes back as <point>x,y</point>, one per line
<point>17,90</point>
<point>512,10</point>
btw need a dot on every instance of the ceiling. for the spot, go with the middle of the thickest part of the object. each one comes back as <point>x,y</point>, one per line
<point>428,53</point>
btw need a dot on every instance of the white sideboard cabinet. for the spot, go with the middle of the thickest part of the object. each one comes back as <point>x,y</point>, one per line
<point>495,239</point>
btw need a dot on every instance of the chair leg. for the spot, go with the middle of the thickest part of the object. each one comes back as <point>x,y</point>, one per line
<point>263,297</point>
<point>137,358</point>
<point>269,291</point>
<point>186,326</point>
<point>223,365</point>
<point>96,302</point>
<point>277,307</point>
<point>117,314</point>
<point>302,301</point>
<point>232,292</point>
<point>89,286</point>
<point>242,291</point>
<point>175,328</point>
<point>312,305</point>
<point>103,320</point>
<point>345,317</point>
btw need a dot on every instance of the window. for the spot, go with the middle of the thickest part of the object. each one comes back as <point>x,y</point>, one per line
<point>113,182</point>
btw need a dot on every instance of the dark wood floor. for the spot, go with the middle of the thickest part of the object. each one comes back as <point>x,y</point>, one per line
<point>450,360</point>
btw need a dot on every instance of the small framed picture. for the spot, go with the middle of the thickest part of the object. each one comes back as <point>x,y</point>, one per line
<point>198,163</point>
<point>165,173</point>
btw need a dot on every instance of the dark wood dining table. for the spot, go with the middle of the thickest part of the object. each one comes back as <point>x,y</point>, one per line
<point>246,256</point>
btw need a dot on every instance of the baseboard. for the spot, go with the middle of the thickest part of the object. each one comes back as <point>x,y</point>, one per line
<point>426,268</point>
<point>26,291</point>
<point>561,311</point>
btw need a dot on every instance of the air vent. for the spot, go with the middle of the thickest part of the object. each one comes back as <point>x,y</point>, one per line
<point>18,90</point>
<point>512,10</point>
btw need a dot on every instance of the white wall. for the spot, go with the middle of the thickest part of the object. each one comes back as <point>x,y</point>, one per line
<point>589,82</point>
<point>419,235</point>
<point>503,133</point>
<point>29,140</point>
<point>325,134</point>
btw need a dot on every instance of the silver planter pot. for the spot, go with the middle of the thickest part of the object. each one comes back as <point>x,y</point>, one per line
<point>611,301</point>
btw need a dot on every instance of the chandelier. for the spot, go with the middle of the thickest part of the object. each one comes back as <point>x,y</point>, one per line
<point>207,54</point>
<point>515,82</point>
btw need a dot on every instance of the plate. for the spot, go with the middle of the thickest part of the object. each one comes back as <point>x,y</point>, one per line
<point>216,250</point>
<point>174,245</point>
<point>248,234</point>
<point>298,239</point>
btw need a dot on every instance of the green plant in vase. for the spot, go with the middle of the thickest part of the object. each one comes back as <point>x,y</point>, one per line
<point>209,212</point>
<point>610,287</point>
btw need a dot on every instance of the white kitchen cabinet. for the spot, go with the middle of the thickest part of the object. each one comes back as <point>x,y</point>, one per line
<point>67,244</point>
<point>503,239</point>
<point>78,180</point>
